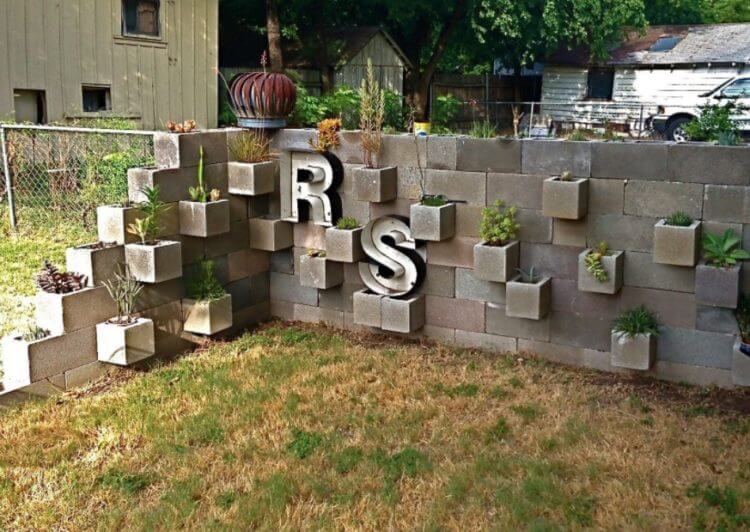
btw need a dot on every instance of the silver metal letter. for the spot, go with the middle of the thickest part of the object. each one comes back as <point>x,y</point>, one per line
<point>308,187</point>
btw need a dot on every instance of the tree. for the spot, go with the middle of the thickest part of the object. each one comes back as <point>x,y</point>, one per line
<point>273,28</point>
<point>697,11</point>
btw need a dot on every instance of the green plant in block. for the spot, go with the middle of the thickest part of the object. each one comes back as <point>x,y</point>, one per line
<point>483,130</point>
<point>347,223</point>
<point>147,226</point>
<point>528,276</point>
<point>199,193</point>
<point>679,219</point>
<point>203,285</point>
<point>723,251</point>
<point>636,321</point>
<point>593,262</point>
<point>124,290</point>
<point>498,224</point>
<point>34,333</point>
<point>250,147</point>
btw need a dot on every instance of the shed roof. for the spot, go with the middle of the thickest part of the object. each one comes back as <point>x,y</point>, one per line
<point>708,43</point>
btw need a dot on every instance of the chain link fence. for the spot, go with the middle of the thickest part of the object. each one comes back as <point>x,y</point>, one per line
<point>59,175</point>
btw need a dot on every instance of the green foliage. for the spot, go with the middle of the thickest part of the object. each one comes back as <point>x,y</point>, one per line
<point>203,285</point>
<point>725,501</point>
<point>347,222</point>
<point>593,262</point>
<point>124,290</point>
<point>697,11</point>
<point>723,251</point>
<point>444,111</point>
<point>34,333</point>
<point>303,443</point>
<point>636,321</point>
<point>147,226</point>
<point>127,483</point>
<point>499,431</point>
<point>727,138</point>
<point>527,412</point>
<point>529,276</point>
<point>433,201</point>
<point>483,130</point>
<point>106,177</point>
<point>714,121</point>
<point>679,219</point>
<point>408,462</point>
<point>498,224</point>
<point>250,147</point>
<point>347,460</point>
<point>742,313</point>
<point>226,114</point>
<point>199,192</point>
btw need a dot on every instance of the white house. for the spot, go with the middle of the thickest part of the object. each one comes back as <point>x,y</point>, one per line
<point>668,72</point>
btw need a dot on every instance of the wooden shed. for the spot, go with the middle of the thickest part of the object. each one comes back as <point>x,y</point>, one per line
<point>149,60</point>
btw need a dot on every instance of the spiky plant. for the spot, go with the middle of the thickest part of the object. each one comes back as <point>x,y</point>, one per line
<point>53,281</point>
<point>147,226</point>
<point>34,333</point>
<point>483,129</point>
<point>723,251</point>
<point>124,290</point>
<point>371,115</point>
<point>528,276</point>
<point>679,219</point>
<point>251,147</point>
<point>636,321</point>
<point>203,285</point>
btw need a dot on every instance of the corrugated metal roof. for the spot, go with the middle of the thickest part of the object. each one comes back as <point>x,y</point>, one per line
<point>709,43</point>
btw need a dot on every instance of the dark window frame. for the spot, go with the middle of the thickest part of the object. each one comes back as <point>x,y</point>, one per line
<point>596,92</point>
<point>41,103</point>
<point>135,34</point>
<point>104,90</point>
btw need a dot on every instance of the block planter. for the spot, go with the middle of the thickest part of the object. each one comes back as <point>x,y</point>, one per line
<point>319,272</point>
<point>344,245</point>
<point>64,313</point>
<point>403,315</point>
<point>614,265</point>
<point>567,200</point>
<point>528,300</point>
<point>638,352</point>
<point>252,179</point>
<point>677,245</point>
<point>432,223</point>
<point>98,262</point>
<point>154,263</point>
<point>367,307</point>
<point>717,287</point>
<point>124,345</point>
<point>496,263</point>
<point>112,223</point>
<point>740,366</point>
<point>376,185</point>
<point>207,317</point>
<point>270,234</point>
<point>204,219</point>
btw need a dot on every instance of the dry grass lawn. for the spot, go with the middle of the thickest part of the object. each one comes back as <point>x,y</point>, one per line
<point>306,428</point>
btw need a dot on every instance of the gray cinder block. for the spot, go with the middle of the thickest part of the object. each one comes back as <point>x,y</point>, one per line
<point>112,223</point>
<point>124,345</point>
<point>318,272</point>
<point>173,183</point>
<point>204,219</point>
<point>367,307</point>
<point>286,287</point>
<point>565,199</point>
<point>344,245</point>
<point>155,263</point>
<point>403,315</point>
<point>433,223</point>
<point>496,263</point>
<point>64,313</point>
<point>270,234</point>
<point>252,179</point>
<point>172,150</point>
<point>528,300</point>
<point>376,184</point>
<point>637,352</point>
<point>207,317</point>
<point>740,366</point>
<point>677,245</point>
<point>613,264</point>
<point>98,262</point>
<point>717,287</point>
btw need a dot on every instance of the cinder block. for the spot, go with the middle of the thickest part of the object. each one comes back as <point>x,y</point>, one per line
<point>339,297</point>
<point>629,160</point>
<point>97,263</point>
<point>293,139</point>
<point>641,271</point>
<point>676,245</point>
<point>565,199</point>
<point>401,150</point>
<point>613,264</point>
<point>172,150</point>
<point>497,322</point>
<point>112,222</point>
<point>718,165</point>
<point>83,375</point>
<point>528,300</point>
<point>173,183</point>
<point>204,219</point>
<point>220,267</point>
<point>567,298</point>
<point>553,157</point>
<point>281,261</point>
<point>252,179</point>
<point>637,352</point>
<point>580,331</point>
<point>490,342</point>
<point>433,223</point>
<point>740,366</point>
<point>489,155</point>
<point>717,287</point>
<point>282,309</point>
<point>344,245</point>
<point>454,313</point>
<point>399,207</point>
<point>193,248</point>
<point>724,203</point>
<point>403,315</point>
<point>631,233</point>
<point>564,354</point>
<point>535,227</point>
<point>236,239</point>
<point>257,206</point>
<point>496,263</point>
<point>64,313</point>
<point>359,210</point>
<point>676,309</point>
<point>409,183</point>
<point>439,281</point>
<point>207,317</point>
<point>318,272</point>
<point>554,261</point>
<point>473,289</point>
<point>696,348</point>
<point>376,184</point>
<point>715,319</point>
<point>310,236</point>
<point>569,232</point>
<point>367,308</point>
<point>468,219</point>
<point>168,320</point>
<point>270,234</point>
<point>350,148</point>
<point>124,345</point>
<point>442,153</point>
<point>458,251</point>
<point>521,190</point>
<point>647,198</point>
<point>606,196</point>
<point>460,186</point>
<point>156,295</point>
<point>154,263</point>
<point>334,318</point>
<point>287,288</point>
<point>238,265</point>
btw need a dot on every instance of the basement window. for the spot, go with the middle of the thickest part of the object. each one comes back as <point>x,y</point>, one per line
<point>600,84</point>
<point>140,18</point>
<point>96,99</point>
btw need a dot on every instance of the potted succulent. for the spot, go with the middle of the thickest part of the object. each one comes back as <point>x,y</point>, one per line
<point>316,271</point>
<point>600,270</point>
<point>65,302</point>
<point>528,295</point>
<point>151,260</point>
<point>24,355</point>
<point>434,217</point>
<point>676,240</point>
<point>97,261</point>
<point>565,197</point>
<point>126,338</point>
<point>253,171</point>
<point>741,354</point>
<point>205,214</point>
<point>717,277</point>
<point>496,257</point>
<point>208,308</point>
<point>634,336</point>
<point>344,241</point>
<point>371,182</point>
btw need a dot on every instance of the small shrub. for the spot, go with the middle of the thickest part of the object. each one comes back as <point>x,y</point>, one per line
<point>723,251</point>
<point>636,321</point>
<point>53,281</point>
<point>203,285</point>
<point>593,262</point>
<point>347,222</point>
<point>444,111</point>
<point>251,147</point>
<point>128,483</point>
<point>328,135</point>
<point>347,460</point>
<point>679,219</point>
<point>714,120</point>
<point>483,130</point>
<point>498,224</point>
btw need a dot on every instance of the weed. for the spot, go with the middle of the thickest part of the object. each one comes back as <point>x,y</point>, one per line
<point>463,390</point>
<point>528,412</point>
<point>303,443</point>
<point>499,431</point>
<point>226,499</point>
<point>516,382</point>
<point>346,460</point>
<point>128,483</point>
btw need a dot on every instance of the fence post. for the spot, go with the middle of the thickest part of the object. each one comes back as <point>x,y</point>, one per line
<point>531,120</point>
<point>8,179</point>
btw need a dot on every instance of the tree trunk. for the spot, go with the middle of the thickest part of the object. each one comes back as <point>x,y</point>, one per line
<point>273,27</point>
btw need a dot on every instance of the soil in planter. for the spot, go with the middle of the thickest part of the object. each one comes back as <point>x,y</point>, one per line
<point>98,245</point>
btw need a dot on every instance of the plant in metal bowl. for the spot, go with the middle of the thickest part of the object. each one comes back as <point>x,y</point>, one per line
<point>636,321</point>
<point>723,251</point>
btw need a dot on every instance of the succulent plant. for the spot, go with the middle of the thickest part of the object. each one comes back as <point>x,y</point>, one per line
<point>53,281</point>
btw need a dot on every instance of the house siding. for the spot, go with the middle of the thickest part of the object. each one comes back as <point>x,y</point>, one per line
<point>387,65</point>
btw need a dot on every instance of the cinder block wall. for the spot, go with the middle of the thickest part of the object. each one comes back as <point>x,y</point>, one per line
<point>632,185</point>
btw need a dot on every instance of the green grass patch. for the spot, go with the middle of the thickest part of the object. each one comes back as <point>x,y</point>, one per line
<point>303,444</point>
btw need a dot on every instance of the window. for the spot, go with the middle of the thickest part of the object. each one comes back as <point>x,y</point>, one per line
<point>738,89</point>
<point>96,99</point>
<point>600,83</point>
<point>665,43</point>
<point>140,17</point>
<point>30,106</point>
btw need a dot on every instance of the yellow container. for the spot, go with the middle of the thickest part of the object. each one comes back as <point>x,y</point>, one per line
<point>421,129</point>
